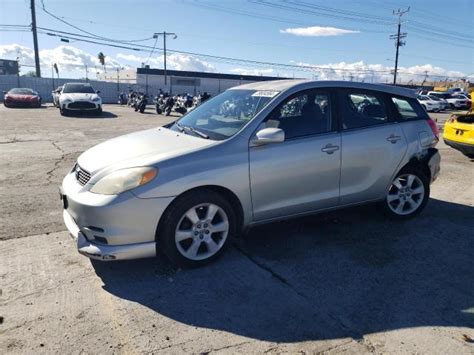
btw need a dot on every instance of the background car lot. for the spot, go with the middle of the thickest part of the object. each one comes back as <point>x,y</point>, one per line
<point>345,281</point>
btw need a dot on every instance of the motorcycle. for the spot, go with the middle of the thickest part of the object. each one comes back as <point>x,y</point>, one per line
<point>122,99</point>
<point>168,106</point>
<point>141,103</point>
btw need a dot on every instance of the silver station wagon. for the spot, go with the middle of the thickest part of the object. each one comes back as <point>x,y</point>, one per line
<point>253,154</point>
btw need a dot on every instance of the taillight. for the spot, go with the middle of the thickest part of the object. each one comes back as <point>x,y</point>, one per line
<point>434,128</point>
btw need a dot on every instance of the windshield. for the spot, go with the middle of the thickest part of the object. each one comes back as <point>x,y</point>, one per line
<point>78,88</point>
<point>21,91</point>
<point>224,115</point>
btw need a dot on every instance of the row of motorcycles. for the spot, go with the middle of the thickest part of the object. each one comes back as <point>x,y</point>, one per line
<point>164,102</point>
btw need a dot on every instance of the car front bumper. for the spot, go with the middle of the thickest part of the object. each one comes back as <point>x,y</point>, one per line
<point>81,105</point>
<point>113,227</point>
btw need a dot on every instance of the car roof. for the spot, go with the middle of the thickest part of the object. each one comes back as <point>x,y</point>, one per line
<point>283,85</point>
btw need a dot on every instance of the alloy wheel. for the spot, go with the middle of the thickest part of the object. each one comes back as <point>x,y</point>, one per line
<point>202,231</point>
<point>406,194</point>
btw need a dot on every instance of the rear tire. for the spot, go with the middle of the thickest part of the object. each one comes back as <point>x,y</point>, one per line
<point>408,194</point>
<point>196,228</point>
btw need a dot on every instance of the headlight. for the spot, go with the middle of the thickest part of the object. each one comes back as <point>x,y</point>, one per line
<point>66,101</point>
<point>123,180</point>
<point>96,99</point>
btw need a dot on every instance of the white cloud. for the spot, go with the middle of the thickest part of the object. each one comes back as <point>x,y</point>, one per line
<point>378,73</point>
<point>259,72</point>
<point>130,57</point>
<point>317,31</point>
<point>173,61</point>
<point>71,61</point>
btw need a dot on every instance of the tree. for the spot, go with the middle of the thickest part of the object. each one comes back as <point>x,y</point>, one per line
<point>101,57</point>
<point>30,73</point>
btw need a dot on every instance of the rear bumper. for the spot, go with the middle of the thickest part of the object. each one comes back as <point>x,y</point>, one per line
<point>434,163</point>
<point>464,148</point>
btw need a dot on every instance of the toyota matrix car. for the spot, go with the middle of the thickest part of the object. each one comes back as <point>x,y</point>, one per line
<point>292,148</point>
<point>79,97</point>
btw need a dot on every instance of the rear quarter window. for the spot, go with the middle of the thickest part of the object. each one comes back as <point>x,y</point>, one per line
<point>408,109</point>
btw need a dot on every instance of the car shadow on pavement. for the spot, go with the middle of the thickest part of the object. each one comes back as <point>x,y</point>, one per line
<point>335,275</point>
<point>103,115</point>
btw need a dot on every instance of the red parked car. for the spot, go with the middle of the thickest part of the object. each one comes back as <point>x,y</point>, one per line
<point>21,97</point>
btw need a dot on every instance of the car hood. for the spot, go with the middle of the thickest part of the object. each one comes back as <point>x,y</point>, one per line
<point>78,97</point>
<point>139,149</point>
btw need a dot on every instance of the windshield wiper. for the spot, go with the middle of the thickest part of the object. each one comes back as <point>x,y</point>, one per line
<point>199,133</point>
<point>180,127</point>
<point>192,129</point>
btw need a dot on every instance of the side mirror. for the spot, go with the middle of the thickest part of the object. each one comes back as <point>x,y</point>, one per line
<point>97,92</point>
<point>4,92</point>
<point>268,136</point>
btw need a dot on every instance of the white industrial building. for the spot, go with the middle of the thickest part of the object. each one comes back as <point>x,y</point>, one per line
<point>192,82</point>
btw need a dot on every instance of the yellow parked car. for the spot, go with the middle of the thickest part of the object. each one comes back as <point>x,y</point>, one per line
<point>459,133</point>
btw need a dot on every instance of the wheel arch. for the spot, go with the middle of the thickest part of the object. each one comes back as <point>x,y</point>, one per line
<point>223,191</point>
<point>417,162</point>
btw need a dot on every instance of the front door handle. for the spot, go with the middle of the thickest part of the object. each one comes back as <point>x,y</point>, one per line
<point>393,138</point>
<point>329,148</point>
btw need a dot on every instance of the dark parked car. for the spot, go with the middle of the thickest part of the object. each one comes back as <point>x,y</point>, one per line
<point>21,97</point>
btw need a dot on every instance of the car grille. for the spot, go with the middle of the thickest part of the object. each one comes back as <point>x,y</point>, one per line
<point>81,105</point>
<point>82,176</point>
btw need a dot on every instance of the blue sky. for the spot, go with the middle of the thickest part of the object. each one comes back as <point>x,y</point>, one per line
<point>257,31</point>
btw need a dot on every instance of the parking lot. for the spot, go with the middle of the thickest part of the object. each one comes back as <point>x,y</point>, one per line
<point>347,281</point>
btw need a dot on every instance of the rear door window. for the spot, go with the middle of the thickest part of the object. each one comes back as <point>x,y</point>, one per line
<point>408,109</point>
<point>362,109</point>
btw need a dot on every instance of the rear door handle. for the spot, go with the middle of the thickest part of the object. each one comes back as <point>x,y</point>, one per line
<point>393,138</point>
<point>329,148</point>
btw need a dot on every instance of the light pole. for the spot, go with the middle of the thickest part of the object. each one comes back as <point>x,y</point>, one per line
<point>164,34</point>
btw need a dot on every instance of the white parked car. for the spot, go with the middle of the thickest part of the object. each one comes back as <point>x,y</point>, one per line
<point>442,102</point>
<point>452,100</point>
<point>76,97</point>
<point>429,104</point>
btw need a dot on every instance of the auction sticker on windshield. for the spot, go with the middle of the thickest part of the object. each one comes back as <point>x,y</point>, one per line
<point>265,93</point>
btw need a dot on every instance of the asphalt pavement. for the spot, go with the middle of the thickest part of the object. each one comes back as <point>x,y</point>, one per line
<point>346,281</point>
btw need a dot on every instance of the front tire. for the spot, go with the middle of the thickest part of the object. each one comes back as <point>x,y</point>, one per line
<point>408,194</point>
<point>196,228</point>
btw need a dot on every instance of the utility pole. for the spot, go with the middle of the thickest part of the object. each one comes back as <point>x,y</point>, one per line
<point>35,38</point>
<point>118,81</point>
<point>425,78</point>
<point>18,72</point>
<point>164,34</point>
<point>398,37</point>
<point>87,73</point>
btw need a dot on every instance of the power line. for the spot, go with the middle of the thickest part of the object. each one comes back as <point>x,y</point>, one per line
<point>230,60</point>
